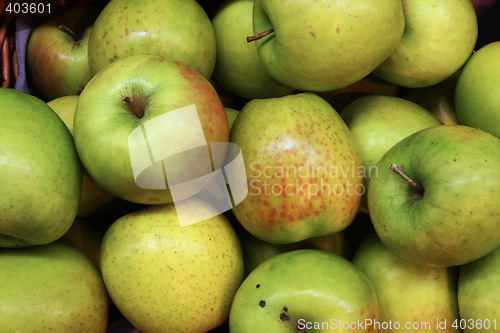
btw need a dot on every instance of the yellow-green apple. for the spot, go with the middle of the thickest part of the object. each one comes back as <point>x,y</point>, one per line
<point>379,122</point>
<point>167,278</point>
<point>305,291</point>
<point>39,172</point>
<point>438,99</point>
<point>325,45</point>
<point>57,53</point>
<point>411,297</point>
<point>135,118</point>
<point>176,29</point>
<point>435,200</point>
<point>479,294</point>
<point>238,67</point>
<point>51,288</point>
<point>304,172</point>
<point>439,37</point>
<point>477,94</point>
<point>94,200</point>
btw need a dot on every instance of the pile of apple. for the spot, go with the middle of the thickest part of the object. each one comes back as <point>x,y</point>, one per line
<point>357,189</point>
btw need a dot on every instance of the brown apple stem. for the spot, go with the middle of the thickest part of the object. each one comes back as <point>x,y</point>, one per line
<point>419,188</point>
<point>70,31</point>
<point>259,36</point>
<point>136,110</point>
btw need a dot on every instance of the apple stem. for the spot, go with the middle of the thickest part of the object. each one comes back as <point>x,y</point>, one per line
<point>259,36</point>
<point>419,188</point>
<point>70,31</point>
<point>136,110</point>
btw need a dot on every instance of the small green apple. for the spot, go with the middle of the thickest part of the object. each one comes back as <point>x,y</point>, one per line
<point>302,170</point>
<point>256,251</point>
<point>435,200</point>
<point>479,294</point>
<point>439,37</point>
<point>238,67</point>
<point>126,100</point>
<point>414,298</point>
<point>379,122</point>
<point>168,278</point>
<point>231,116</point>
<point>39,172</point>
<point>57,53</point>
<point>324,45</point>
<point>477,95</point>
<point>51,288</point>
<point>369,85</point>
<point>438,99</point>
<point>176,29</point>
<point>301,291</point>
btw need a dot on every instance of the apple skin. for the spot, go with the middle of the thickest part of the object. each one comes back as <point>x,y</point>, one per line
<point>478,293</point>
<point>94,200</point>
<point>324,45</point>
<point>176,29</point>
<point>40,172</point>
<point>439,37</point>
<point>167,278</point>
<point>456,220</point>
<point>477,94</point>
<point>379,122</point>
<point>408,293</point>
<point>302,171</point>
<point>438,99</point>
<point>57,64</point>
<point>103,122</point>
<point>238,67</point>
<point>312,285</point>
<point>51,288</point>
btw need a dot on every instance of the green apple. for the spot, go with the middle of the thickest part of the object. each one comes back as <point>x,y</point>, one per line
<point>168,278</point>
<point>325,45</point>
<point>414,298</point>
<point>445,212</point>
<point>438,99</point>
<point>94,200</point>
<point>176,29</point>
<point>379,122</point>
<point>477,94</point>
<point>173,104</point>
<point>304,291</point>
<point>479,294</point>
<point>238,67</point>
<point>231,116</point>
<point>303,170</point>
<point>439,37</point>
<point>51,288</point>
<point>39,172</point>
<point>256,251</point>
<point>369,85</point>
<point>57,53</point>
